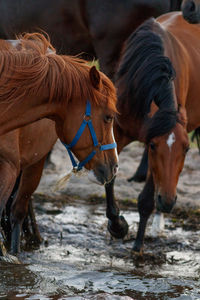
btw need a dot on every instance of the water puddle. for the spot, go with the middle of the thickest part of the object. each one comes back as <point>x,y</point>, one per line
<point>78,260</point>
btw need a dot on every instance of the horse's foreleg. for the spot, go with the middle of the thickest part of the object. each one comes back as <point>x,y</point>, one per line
<point>26,227</point>
<point>29,181</point>
<point>117,225</point>
<point>141,172</point>
<point>145,208</point>
<point>30,228</point>
<point>37,239</point>
<point>6,226</point>
<point>8,175</point>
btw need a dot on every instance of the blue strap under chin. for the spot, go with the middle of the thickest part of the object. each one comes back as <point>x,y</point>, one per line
<point>80,165</point>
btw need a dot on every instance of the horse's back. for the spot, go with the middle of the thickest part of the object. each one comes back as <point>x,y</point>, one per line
<point>183,38</point>
<point>175,23</point>
<point>182,46</point>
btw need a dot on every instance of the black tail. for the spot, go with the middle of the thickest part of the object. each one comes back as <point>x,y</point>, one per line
<point>196,135</point>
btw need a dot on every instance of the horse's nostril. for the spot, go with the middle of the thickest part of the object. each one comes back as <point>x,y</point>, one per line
<point>165,206</point>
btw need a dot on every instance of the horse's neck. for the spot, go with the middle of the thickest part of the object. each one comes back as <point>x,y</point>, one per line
<point>15,115</point>
<point>124,130</point>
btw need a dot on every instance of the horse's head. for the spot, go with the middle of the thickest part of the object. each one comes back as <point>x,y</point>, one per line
<point>191,11</point>
<point>89,115</point>
<point>166,156</point>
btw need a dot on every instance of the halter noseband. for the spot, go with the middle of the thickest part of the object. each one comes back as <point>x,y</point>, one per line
<point>86,121</point>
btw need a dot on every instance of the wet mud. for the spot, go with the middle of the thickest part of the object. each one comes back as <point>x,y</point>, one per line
<point>79,260</point>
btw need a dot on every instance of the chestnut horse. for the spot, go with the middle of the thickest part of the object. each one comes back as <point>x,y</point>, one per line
<point>191,11</point>
<point>96,29</point>
<point>158,90</point>
<point>36,83</point>
<point>23,154</point>
<point>22,157</point>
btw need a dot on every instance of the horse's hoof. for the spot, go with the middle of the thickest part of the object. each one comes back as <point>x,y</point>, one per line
<point>137,249</point>
<point>3,251</point>
<point>119,228</point>
<point>137,253</point>
<point>8,258</point>
<point>5,257</point>
<point>34,241</point>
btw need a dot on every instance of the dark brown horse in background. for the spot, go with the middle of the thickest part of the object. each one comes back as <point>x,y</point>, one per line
<point>96,28</point>
<point>191,11</point>
<point>158,88</point>
<point>36,83</point>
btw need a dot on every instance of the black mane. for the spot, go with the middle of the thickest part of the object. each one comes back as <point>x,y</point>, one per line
<point>161,123</point>
<point>145,74</point>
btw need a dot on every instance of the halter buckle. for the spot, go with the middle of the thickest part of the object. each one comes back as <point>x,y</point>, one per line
<point>87,118</point>
<point>75,169</point>
<point>97,148</point>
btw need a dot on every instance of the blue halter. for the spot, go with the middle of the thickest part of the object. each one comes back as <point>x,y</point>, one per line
<point>86,121</point>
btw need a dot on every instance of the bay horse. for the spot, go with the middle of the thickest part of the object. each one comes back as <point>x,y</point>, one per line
<point>191,11</point>
<point>96,29</point>
<point>158,88</point>
<point>36,83</point>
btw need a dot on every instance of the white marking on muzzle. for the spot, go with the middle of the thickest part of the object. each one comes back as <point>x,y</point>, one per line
<point>171,140</point>
<point>157,225</point>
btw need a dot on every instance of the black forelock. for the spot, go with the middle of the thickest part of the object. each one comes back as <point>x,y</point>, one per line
<point>162,122</point>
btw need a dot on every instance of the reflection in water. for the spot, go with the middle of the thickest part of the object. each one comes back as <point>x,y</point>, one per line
<point>85,262</point>
<point>16,278</point>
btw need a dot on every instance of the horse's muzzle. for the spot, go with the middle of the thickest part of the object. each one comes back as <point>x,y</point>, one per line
<point>105,173</point>
<point>164,204</point>
<point>191,12</point>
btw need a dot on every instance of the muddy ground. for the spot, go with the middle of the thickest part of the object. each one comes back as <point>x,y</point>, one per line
<point>78,259</point>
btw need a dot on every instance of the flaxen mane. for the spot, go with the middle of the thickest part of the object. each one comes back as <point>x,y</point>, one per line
<point>35,68</point>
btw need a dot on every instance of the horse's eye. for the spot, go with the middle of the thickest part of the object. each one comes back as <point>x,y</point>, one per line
<point>152,146</point>
<point>108,118</point>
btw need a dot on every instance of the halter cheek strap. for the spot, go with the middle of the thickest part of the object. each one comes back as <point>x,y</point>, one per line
<point>86,121</point>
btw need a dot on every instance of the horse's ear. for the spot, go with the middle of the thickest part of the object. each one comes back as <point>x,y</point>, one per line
<point>95,77</point>
<point>182,115</point>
